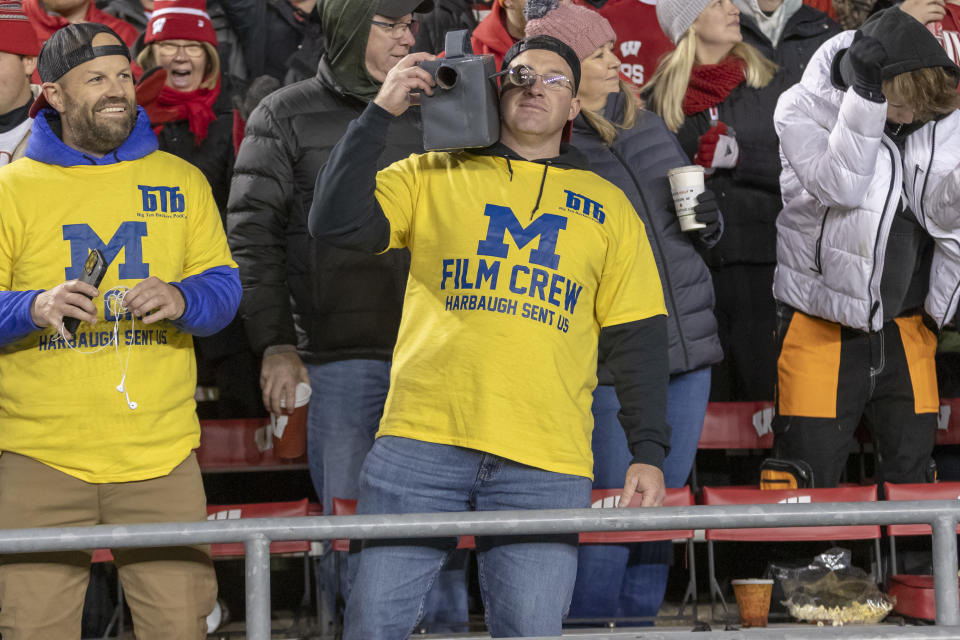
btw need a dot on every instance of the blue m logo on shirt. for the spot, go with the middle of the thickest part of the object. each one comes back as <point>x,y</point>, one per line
<point>128,237</point>
<point>547,228</point>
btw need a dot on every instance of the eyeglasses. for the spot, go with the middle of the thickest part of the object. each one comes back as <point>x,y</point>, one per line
<point>398,29</point>
<point>170,49</point>
<point>524,76</point>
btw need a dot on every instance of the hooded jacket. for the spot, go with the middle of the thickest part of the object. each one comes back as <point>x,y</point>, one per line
<point>46,23</point>
<point>803,34</point>
<point>151,214</point>
<point>491,35</point>
<point>331,303</point>
<point>843,179</point>
<point>637,161</point>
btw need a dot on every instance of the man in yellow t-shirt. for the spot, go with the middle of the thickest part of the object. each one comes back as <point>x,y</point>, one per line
<point>521,261</point>
<point>98,422</point>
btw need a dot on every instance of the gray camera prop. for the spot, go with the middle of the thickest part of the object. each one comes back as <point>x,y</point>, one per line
<point>463,112</point>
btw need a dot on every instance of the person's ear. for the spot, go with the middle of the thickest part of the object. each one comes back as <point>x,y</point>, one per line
<point>574,108</point>
<point>53,92</point>
<point>29,64</point>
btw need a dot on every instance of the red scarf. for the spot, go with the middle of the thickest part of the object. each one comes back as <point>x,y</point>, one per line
<point>196,107</point>
<point>710,84</point>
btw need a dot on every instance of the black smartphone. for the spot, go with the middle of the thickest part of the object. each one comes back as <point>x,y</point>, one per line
<point>93,271</point>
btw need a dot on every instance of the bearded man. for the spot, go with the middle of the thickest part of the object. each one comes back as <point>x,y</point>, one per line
<point>98,423</point>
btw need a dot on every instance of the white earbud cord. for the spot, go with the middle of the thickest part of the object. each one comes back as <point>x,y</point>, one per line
<point>117,308</point>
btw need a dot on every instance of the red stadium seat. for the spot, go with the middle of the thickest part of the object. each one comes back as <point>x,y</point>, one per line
<point>346,507</point>
<point>730,425</point>
<point>295,509</point>
<point>240,445</point>
<point>914,593</point>
<point>752,495</point>
<point>683,497</point>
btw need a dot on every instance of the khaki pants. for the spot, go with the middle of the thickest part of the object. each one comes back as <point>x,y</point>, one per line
<point>170,590</point>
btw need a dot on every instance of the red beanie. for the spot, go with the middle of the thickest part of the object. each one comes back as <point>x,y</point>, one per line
<point>16,33</point>
<point>180,20</point>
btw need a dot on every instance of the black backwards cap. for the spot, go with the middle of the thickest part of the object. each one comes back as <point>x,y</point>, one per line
<point>70,47</point>
<point>547,43</point>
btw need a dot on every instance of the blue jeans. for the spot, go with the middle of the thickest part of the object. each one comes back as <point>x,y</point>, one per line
<point>345,410</point>
<point>629,580</point>
<point>526,581</point>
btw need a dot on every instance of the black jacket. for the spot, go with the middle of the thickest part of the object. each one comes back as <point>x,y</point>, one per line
<point>214,156</point>
<point>332,303</point>
<point>447,15</point>
<point>637,161</point>
<point>803,34</point>
<point>748,194</point>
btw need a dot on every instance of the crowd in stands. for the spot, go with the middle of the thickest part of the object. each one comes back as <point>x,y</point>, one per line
<point>823,269</point>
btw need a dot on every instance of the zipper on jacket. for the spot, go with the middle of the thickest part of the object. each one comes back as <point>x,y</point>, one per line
<point>817,258</point>
<point>874,306</point>
<point>652,232</point>
<point>926,177</point>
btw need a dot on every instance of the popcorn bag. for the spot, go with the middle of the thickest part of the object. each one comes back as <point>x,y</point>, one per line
<point>830,590</point>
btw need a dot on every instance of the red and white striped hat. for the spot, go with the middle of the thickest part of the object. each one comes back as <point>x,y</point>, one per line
<point>180,20</point>
<point>16,33</point>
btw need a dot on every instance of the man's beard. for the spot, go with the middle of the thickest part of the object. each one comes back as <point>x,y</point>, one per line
<point>91,135</point>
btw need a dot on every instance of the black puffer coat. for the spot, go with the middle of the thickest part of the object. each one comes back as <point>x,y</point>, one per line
<point>748,194</point>
<point>332,303</point>
<point>803,34</point>
<point>447,15</point>
<point>637,162</point>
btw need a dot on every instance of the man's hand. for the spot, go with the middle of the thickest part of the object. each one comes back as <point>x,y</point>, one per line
<point>645,481</point>
<point>279,375</point>
<point>926,11</point>
<point>154,300</point>
<point>71,299</point>
<point>405,77</point>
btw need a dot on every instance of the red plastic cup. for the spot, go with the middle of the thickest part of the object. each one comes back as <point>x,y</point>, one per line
<point>290,430</point>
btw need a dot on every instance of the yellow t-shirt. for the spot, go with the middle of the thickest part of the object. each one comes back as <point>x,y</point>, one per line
<point>515,267</point>
<point>151,217</point>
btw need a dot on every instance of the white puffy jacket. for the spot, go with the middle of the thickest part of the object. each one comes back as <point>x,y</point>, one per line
<point>842,181</point>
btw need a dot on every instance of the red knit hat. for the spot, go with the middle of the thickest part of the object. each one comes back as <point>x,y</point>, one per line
<point>180,20</point>
<point>584,30</point>
<point>16,33</point>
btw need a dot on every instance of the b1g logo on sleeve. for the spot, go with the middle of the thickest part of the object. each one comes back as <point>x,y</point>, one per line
<point>162,199</point>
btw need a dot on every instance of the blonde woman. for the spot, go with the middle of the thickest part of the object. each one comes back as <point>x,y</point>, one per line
<point>718,95</point>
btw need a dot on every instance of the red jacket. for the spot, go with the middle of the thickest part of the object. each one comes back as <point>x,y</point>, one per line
<point>45,23</point>
<point>491,35</point>
<point>640,42</point>
<point>823,5</point>
<point>951,32</point>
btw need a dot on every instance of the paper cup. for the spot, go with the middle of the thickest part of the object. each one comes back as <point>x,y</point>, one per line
<point>290,431</point>
<point>753,599</point>
<point>686,183</point>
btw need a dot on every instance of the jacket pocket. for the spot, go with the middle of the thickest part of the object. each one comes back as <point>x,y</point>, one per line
<point>817,258</point>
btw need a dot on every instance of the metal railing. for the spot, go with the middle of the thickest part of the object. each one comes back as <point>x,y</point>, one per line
<point>257,534</point>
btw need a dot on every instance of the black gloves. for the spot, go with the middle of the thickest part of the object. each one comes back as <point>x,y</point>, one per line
<point>708,212</point>
<point>867,56</point>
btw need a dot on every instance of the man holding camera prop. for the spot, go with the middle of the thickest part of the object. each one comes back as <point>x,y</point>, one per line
<point>520,261</point>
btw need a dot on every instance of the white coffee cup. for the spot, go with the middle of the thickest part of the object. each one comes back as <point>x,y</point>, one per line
<point>686,183</point>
